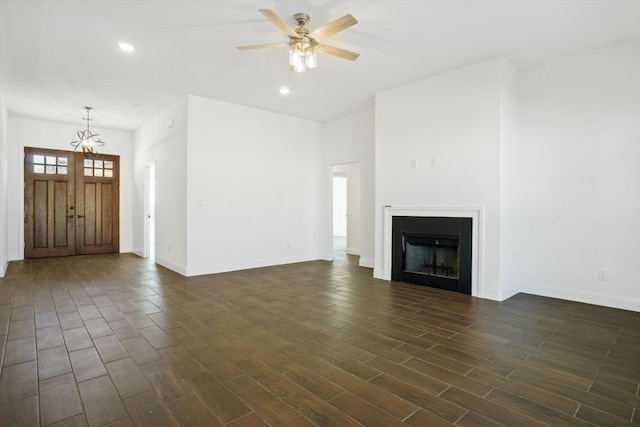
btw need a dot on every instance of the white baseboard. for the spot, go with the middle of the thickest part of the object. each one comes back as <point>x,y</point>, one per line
<point>509,294</point>
<point>171,266</point>
<point>353,251</point>
<point>378,273</point>
<point>366,262</point>
<point>214,268</point>
<point>595,298</point>
<point>3,268</point>
<point>328,256</point>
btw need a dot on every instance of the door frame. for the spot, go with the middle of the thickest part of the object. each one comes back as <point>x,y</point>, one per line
<point>334,169</point>
<point>20,220</point>
<point>149,223</point>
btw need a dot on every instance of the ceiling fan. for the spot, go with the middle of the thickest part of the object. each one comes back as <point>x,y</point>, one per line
<point>303,43</point>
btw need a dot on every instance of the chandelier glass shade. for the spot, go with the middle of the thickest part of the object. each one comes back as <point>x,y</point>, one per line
<point>86,139</point>
<point>302,55</point>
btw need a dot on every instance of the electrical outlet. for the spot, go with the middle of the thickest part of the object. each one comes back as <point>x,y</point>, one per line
<point>603,275</point>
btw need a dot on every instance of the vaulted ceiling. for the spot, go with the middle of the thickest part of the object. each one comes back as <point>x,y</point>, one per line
<point>57,56</point>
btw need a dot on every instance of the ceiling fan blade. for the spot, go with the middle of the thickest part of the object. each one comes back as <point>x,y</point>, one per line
<point>336,51</point>
<point>275,19</point>
<point>333,27</point>
<point>263,46</point>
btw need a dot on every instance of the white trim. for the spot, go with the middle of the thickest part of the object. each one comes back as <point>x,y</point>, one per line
<point>149,173</point>
<point>171,266</point>
<point>584,297</point>
<point>199,270</point>
<point>353,251</point>
<point>476,213</point>
<point>366,262</point>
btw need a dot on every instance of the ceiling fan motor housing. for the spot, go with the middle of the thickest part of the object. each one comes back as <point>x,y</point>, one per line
<point>302,19</point>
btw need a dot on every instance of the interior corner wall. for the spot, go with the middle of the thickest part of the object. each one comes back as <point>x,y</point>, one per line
<point>253,193</point>
<point>4,165</point>
<point>438,145</point>
<point>346,140</point>
<point>26,132</point>
<point>509,177</point>
<point>142,157</point>
<point>578,202</point>
<point>163,141</point>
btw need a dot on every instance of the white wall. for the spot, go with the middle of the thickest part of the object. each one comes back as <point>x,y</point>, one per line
<point>354,208</point>
<point>164,141</point>
<point>23,132</point>
<point>509,178</point>
<point>142,156</point>
<point>253,193</point>
<point>448,126</point>
<point>350,139</point>
<point>4,164</point>
<point>578,199</point>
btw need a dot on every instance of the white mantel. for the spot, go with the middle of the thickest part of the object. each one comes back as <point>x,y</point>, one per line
<point>473,212</point>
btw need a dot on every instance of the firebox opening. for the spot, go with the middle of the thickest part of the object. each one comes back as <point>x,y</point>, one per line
<point>431,255</point>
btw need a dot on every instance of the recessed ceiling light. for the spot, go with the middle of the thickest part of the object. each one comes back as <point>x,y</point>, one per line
<point>126,47</point>
<point>285,90</point>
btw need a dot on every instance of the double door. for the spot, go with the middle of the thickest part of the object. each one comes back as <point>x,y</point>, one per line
<point>71,203</point>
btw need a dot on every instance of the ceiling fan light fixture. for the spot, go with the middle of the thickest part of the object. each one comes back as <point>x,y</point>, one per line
<point>302,43</point>
<point>298,68</point>
<point>295,56</point>
<point>302,55</point>
<point>310,59</point>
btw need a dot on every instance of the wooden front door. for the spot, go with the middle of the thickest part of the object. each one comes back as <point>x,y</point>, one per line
<point>71,203</point>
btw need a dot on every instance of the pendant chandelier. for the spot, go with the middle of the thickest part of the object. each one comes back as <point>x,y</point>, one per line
<point>86,139</point>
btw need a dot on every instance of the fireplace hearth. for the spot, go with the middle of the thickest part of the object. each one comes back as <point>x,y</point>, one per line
<point>432,251</point>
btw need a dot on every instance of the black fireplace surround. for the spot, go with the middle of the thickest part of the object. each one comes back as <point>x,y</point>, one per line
<point>432,251</point>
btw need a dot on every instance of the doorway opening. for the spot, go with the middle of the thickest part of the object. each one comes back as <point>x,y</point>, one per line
<point>346,221</point>
<point>339,215</point>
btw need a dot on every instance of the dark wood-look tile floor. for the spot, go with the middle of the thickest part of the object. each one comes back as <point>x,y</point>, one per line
<point>116,340</point>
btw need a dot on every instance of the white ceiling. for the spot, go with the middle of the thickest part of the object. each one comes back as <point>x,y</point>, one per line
<point>58,56</point>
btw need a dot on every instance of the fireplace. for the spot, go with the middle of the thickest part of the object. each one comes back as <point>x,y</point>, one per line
<point>432,251</point>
